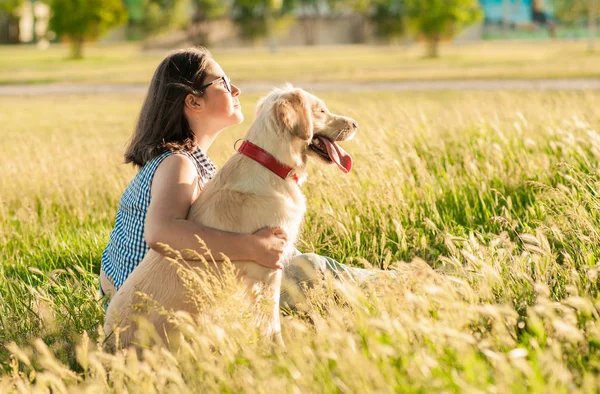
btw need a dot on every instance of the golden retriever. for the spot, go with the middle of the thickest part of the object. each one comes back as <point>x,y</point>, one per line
<point>243,197</point>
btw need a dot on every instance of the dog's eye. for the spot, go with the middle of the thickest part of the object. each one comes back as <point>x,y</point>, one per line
<point>322,111</point>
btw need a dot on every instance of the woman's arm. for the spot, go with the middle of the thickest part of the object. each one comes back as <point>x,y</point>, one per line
<point>174,189</point>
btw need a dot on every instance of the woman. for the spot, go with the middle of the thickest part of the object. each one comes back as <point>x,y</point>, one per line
<point>190,101</point>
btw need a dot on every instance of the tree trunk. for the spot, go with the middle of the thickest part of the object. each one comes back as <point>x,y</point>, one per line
<point>197,34</point>
<point>34,37</point>
<point>3,27</point>
<point>14,30</point>
<point>197,30</point>
<point>433,45</point>
<point>314,21</point>
<point>506,16</point>
<point>272,44</point>
<point>77,47</point>
<point>271,38</point>
<point>592,13</point>
<point>310,29</point>
<point>134,31</point>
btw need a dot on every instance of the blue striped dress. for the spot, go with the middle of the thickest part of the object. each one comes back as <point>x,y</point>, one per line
<point>126,247</point>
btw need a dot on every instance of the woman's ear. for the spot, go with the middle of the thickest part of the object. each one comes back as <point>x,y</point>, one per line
<point>293,113</point>
<point>193,102</point>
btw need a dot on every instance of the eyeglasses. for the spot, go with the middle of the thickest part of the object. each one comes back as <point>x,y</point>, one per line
<point>224,78</point>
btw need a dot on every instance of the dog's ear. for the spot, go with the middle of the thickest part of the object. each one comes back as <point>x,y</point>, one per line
<point>293,113</point>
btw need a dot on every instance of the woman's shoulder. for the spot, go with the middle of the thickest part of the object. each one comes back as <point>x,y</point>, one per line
<point>177,163</point>
<point>165,171</point>
<point>168,156</point>
<point>176,167</point>
<point>174,171</point>
<point>167,164</point>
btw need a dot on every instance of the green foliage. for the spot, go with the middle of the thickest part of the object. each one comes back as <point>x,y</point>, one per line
<point>311,7</point>
<point>362,6</point>
<point>10,5</point>
<point>570,11</point>
<point>147,17</point>
<point>205,10</point>
<point>389,18</point>
<point>261,18</point>
<point>319,7</point>
<point>135,10</point>
<point>85,19</point>
<point>437,18</point>
<point>160,15</point>
<point>310,13</point>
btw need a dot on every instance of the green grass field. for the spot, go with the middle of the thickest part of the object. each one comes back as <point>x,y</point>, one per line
<point>127,64</point>
<point>485,203</point>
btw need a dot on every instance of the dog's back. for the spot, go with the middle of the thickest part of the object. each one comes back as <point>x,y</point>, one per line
<point>242,198</point>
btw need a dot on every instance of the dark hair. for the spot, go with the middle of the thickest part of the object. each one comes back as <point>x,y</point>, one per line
<point>162,125</point>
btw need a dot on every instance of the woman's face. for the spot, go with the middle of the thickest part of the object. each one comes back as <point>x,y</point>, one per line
<point>221,107</point>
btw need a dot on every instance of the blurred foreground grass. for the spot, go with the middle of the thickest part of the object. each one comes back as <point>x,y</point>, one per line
<point>491,198</point>
<point>128,64</point>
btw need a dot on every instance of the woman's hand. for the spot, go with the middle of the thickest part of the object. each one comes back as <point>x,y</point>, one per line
<point>269,246</point>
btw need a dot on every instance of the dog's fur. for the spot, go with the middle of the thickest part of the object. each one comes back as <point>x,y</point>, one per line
<point>243,197</point>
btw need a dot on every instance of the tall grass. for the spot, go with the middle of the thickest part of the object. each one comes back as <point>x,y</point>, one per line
<point>485,203</point>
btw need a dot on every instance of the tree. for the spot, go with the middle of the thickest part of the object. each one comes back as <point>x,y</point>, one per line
<point>569,12</point>
<point>9,8</point>
<point>388,16</point>
<point>10,5</point>
<point>310,12</point>
<point>572,11</point>
<point>361,11</point>
<point>85,19</point>
<point>135,19</point>
<point>161,15</point>
<point>262,18</point>
<point>148,17</point>
<point>593,12</point>
<point>361,8</point>
<point>436,18</point>
<point>205,11</point>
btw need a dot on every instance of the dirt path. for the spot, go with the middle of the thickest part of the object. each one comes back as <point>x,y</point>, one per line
<point>396,86</point>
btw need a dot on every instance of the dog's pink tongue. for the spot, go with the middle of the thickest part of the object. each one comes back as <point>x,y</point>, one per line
<point>337,154</point>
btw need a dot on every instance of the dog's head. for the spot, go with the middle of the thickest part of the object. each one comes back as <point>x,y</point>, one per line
<point>303,126</point>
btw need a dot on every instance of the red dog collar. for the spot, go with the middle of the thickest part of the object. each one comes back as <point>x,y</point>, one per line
<point>263,157</point>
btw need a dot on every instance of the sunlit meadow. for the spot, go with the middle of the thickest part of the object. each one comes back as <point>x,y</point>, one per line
<point>129,64</point>
<point>485,204</point>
